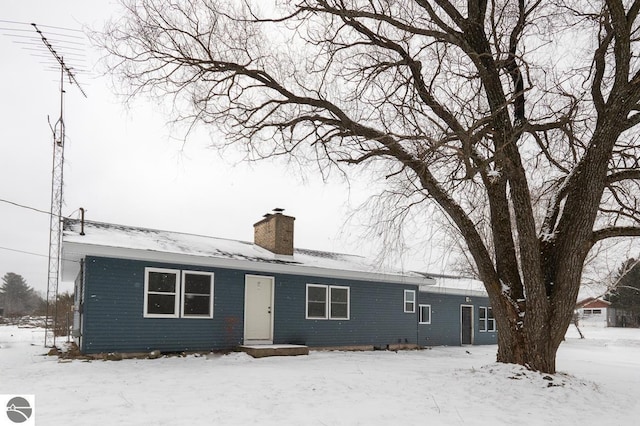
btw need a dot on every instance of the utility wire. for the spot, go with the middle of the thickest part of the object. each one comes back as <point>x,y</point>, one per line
<point>35,209</point>
<point>36,254</point>
<point>43,26</point>
<point>22,251</point>
<point>25,207</point>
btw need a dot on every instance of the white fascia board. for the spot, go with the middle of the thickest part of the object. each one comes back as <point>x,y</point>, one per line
<point>73,251</point>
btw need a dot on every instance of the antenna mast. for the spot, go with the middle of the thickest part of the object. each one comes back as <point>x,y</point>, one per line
<point>55,220</point>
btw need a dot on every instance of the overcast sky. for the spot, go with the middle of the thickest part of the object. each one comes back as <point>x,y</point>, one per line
<point>125,165</point>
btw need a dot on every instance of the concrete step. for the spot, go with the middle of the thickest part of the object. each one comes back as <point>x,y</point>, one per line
<point>261,351</point>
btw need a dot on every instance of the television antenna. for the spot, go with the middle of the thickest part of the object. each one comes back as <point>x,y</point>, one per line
<point>58,132</point>
<point>70,46</point>
<point>55,219</point>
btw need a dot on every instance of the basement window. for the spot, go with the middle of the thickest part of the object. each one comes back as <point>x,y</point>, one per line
<point>327,302</point>
<point>486,320</point>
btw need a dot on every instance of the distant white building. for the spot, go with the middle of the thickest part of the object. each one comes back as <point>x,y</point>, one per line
<point>594,312</point>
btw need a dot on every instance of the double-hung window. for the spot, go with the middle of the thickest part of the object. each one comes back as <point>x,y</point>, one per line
<point>171,293</point>
<point>487,321</point>
<point>197,294</point>
<point>410,301</point>
<point>161,293</point>
<point>339,297</point>
<point>327,302</point>
<point>425,314</point>
<point>316,301</point>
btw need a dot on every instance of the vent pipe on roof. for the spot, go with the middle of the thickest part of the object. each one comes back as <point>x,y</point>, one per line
<point>81,220</point>
<point>275,232</point>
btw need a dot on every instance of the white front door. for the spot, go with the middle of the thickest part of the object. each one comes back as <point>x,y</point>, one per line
<point>258,309</point>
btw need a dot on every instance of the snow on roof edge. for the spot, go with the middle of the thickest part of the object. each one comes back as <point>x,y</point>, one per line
<point>100,236</point>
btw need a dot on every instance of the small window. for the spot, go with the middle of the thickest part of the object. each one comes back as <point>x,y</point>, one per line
<point>597,311</point>
<point>425,314</point>
<point>587,311</point>
<point>409,301</point>
<point>316,301</point>
<point>491,321</point>
<point>339,297</point>
<point>486,320</point>
<point>482,323</point>
<point>161,290</point>
<point>197,295</point>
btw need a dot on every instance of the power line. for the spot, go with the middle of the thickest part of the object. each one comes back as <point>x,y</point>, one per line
<point>43,26</point>
<point>25,207</point>
<point>35,209</point>
<point>24,252</point>
<point>34,254</point>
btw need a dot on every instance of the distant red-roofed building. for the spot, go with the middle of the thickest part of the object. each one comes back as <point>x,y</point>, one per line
<point>595,312</point>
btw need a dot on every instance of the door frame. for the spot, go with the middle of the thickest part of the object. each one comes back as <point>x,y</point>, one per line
<point>462,306</point>
<point>268,341</point>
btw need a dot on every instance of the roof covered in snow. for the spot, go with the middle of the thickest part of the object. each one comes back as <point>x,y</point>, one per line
<point>448,284</point>
<point>127,242</point>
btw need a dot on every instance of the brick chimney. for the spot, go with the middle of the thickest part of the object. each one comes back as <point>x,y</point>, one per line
<point>275,233</point>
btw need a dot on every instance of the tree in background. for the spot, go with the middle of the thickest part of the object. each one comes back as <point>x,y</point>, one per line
<point>625,296</point>
<point>17,297</point>
<point>513,120</point>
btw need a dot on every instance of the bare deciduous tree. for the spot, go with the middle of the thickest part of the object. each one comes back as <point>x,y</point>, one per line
<point>487,109</point>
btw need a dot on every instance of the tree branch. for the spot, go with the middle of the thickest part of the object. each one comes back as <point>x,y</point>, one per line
<point>614,232</point>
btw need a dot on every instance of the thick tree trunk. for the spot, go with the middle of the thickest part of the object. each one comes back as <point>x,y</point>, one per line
<point>534,349</point>
<point>530,330</point>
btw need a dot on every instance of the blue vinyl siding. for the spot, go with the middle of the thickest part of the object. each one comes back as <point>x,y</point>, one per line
<point>445,328</point>
<point>113,305</point>
<point>376,315</point>
<point>114,299</point>
<point>113,311</point>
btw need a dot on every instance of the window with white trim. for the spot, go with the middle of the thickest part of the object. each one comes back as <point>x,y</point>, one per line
<point>161,293</point>
<point>197,294</point>
<point>171,293</point>
<point>425,314</point>
<point>410,301</point>
<point>486,320</point>
<point>339,297</point>
<point>316,301</point>
<point>327,302</point>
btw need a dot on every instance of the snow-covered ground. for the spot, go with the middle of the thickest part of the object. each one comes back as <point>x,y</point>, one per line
<point>597,384</point>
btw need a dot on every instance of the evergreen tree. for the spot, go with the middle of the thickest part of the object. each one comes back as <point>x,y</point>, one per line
<point>16,296</point>
<point>626,294</point>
